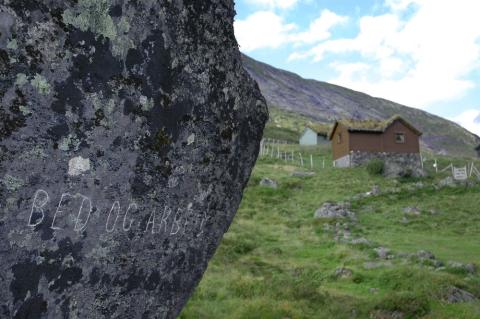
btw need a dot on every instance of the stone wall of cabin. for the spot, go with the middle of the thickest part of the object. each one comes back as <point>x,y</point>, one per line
<point>396,164</point>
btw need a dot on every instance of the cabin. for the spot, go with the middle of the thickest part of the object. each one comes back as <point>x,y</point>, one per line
<point>478,150</point>
<point>394,140</point>
<point>314,135</point>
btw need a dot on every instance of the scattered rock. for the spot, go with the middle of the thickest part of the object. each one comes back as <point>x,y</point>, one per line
<point>471,268</point>
<point>343,272</point>
<point>267,182</point>
<point>412,211</point>
<point>374,192</point>
<point>424,254</point>
<point>457,295</point>
<point>447,182</point>
<point>303,174</point>
<point>332,210</point>
<point>382,252</point>
<point>360,241</point>
<point>468,268</point>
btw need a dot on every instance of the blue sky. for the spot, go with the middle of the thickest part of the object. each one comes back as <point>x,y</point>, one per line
<point>421,53</point>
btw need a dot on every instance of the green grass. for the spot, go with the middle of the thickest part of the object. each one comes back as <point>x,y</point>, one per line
<point>286,126</point>
<point>277,261</point>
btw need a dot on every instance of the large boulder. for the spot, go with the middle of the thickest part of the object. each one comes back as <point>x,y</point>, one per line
<point>128,131</point>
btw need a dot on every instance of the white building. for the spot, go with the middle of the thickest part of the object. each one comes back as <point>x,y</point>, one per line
<point>313,136</point>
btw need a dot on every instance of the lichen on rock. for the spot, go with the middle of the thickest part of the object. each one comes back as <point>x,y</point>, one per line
<point>40,84</point>
<point>128,131</point>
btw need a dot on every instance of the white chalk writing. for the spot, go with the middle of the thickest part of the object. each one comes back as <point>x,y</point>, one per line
<point>171,222</point>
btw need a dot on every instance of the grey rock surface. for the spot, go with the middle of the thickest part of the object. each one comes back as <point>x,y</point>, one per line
<point>396,164</point>
<point>128,131</point>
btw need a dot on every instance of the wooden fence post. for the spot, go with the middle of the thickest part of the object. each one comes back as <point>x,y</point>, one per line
<point>311,161</point>
<point>301,158</point>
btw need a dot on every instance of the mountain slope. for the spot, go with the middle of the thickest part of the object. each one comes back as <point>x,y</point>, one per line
<point>324,102</point>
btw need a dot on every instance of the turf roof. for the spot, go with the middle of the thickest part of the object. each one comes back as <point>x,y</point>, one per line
<point>372,126</point>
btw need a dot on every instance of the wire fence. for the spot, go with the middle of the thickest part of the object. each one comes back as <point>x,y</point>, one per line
<point>276,149</point>
<point>460,170</point>
<point>284,152</point>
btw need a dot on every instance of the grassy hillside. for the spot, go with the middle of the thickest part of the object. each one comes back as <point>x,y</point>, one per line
<point>324,102</point>
<point>287,126</point>
<point>277,261</point>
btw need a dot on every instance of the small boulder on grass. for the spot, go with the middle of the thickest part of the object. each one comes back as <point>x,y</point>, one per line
<point>383,252</point>
<point>343,272</point>
<point>425,254</point>
<point>465,268</point>
<point>333,210</point>
<point>267,182</point>
<point>412,211</point>
<point>374,192</point>
<point>457,295</point>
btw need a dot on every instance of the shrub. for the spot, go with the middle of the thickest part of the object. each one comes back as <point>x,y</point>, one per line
<point>376,167</point>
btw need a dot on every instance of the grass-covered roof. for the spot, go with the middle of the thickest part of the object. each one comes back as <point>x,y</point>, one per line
<point>373,126</point>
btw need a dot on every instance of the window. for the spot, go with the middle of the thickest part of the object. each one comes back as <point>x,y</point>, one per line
<point>339,138</point>
<point>400,138</point>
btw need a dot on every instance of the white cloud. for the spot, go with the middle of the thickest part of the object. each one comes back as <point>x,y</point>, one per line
<point>419,60</point>
<point>266,29</point>
<point>349,71</point>
<point>282,4</point>
<point>470,120</point>
<point>319,29</point>
<point>262,29</point>
<point>398,5</point>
